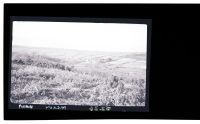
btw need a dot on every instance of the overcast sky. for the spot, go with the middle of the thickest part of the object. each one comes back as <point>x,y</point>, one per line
<point>110,37</point>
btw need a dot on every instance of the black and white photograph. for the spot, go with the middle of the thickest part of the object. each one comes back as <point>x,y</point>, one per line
<point>78,63</point>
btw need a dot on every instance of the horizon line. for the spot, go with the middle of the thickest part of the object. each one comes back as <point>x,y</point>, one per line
<point>80,49</point>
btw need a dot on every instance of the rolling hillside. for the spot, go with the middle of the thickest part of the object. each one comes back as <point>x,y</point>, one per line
<point>74,77</point>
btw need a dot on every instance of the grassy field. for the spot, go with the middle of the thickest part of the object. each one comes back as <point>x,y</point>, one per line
<point>72,77</point>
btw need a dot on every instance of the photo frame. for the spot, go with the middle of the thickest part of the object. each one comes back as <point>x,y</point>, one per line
<point>165,42</point>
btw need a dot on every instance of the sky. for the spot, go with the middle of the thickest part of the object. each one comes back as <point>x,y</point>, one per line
<point>109,37</point>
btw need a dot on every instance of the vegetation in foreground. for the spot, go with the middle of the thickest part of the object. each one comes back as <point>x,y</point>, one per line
<point>39,79</point>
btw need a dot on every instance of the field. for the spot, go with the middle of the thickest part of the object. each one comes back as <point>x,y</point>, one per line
<point>74,77</point>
